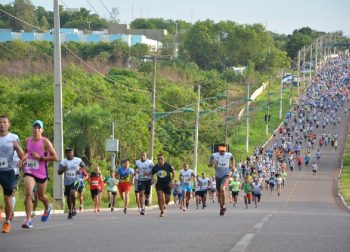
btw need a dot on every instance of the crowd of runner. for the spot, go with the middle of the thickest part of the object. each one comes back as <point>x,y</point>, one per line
<point>307,130</point>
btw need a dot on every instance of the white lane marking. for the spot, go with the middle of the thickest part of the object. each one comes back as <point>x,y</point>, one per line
<point>243,243</point>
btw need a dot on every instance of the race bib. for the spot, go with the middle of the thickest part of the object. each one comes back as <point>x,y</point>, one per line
<point>33,164</point>
<point>162,174</point>
<point>71,174</point>
<point>3,162</point>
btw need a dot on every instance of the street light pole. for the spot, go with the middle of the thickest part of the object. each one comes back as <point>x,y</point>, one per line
<point>58,123</point>
<point>247,115</point>
<point>113,154</point>
<point>195,161</point>
<point>298,73</point>
<point>304,49</point>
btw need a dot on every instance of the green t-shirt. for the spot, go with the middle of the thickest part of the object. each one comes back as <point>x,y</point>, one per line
<point>235,186</point>
<point>247,187</point>
<point>112,184</point>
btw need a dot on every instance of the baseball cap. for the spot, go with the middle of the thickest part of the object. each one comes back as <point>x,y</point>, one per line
<point>68,149</point>
<point>38,122</point>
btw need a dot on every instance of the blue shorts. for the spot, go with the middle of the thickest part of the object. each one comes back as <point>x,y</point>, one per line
<point>186,188</point>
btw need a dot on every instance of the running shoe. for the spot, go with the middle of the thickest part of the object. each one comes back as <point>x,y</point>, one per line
<point>162,214</point>
<point>46,214</point>
<point>70,216</point>
<point>6,228</point>
<point>74,213</point>
<point>124,210</point>
<point>221,214</point>
<point>27,224</point>
<point>112,209</point>
<point>143,212</point>
<point>109,204</point>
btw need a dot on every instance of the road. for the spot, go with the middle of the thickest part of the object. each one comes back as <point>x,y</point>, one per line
<point>308,216</point>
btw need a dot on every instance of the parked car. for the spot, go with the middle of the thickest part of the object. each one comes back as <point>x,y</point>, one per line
<point>289,79</point>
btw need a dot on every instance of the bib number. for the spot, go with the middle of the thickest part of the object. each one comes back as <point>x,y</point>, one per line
<point>3,162</point>
<point>33,164</point>
<point>71,174</point>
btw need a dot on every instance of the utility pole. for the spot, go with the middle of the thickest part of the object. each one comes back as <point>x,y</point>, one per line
<point>304,49</point>
<point>58,118</point>
<point>113,154</point>
<point>247,116</point>
<point>226,115</point>
<point>281,97</point>
<point>153,110</point>
<point>310,66</point>
<point>195,161</point>
<point>268,110</point>
<point>316,47</point>
<point>298,82</point>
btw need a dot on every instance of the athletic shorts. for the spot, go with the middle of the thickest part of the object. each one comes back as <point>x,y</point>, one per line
<point>74,186</point>
<point>165,188</point>
<point>257,195</point>
<point>37,180</point>
<point>15,184</point>
<point>197,193</point>
<point>186,188</point>
<point>145,186</point>
<point>124,187</point>
<point>80,189</point>
<point>235,194</point>
<point>213,190</point>
<point>94,192</point>
<point>113,193</point>
<point>7,180</point>
<point>248,196</point>
<point>202,193</point>
<point>221,182</point>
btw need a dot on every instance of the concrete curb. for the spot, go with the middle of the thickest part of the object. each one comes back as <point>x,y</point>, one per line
<point>338,193</point>
<point>40,212</point>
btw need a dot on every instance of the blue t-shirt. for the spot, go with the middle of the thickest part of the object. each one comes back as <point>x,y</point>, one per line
<point>124,173</point>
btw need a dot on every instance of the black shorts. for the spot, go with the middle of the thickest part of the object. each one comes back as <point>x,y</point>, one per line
<point>94,192</point>
<point>220,181</point>
<point>165,188</point>
<point>15,184</point>
<point>197,193</point>
<point>37,180</point>
<point>202,193</point>
<point>257,195</point>
<point>145,186</point>
<point>235,194</point>
<point>80,189</point>
<point>74,186</point>
<point>7,180</point>
<point>113,193</point>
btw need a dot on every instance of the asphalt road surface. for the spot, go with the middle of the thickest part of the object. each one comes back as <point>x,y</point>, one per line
<point>308,216</point>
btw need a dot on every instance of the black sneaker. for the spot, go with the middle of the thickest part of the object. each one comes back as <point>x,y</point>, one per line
<point>109,204</point>
<point>124,210</point>
<point>74,213</point>
<point>143,212</point>
<point>112,209</point>
<point>70,216</point>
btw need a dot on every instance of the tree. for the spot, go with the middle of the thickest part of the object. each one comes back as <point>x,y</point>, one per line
<point>26,11</point>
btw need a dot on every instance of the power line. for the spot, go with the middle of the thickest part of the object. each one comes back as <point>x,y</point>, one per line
<point>106,9</point>
<point>92,7</point>
<point>64,4</point>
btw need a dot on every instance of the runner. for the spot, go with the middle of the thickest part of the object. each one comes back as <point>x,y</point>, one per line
<point>176,192</point>
<point>95,187</point>
<point>256,188</point>
<point>247,188</point>
<point>279,182</point>
<point>9,143</point>
<point>39,151</point>
<point>235,185</point>
<point>204,184</point>
<point>112,183</point>
<point>212,192</point>
<point>83,176</point>
<point>70,167</point>
<point>124,175</point>
<point>15,184</point>
<point>224,164</point>
<point>197,191</point>
<point>186,176</point>
<point>145,180</point>
<point>165,177</point>
<point>135,182</point>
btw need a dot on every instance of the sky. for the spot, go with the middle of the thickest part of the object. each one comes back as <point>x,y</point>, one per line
<point>281,16</point>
